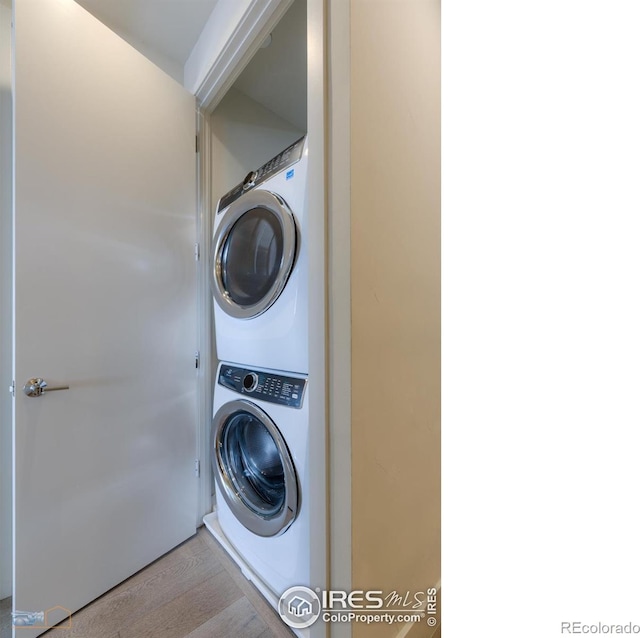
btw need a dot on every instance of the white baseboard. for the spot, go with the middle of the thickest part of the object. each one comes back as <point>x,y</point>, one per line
<point>212,524</point>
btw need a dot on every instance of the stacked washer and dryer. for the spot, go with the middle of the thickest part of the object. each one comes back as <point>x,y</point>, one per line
<point>260,427</point>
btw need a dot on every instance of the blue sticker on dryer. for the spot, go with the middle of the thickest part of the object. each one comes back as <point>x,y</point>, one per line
<point>290,173</point>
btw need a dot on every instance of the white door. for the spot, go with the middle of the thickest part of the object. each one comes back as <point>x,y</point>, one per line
<point>104,303</point>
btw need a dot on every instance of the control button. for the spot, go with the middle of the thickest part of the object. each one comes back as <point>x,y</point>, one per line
<point>250,381</point>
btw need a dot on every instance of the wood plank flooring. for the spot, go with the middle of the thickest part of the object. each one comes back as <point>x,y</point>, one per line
<point>5,618</point>
<point>194,591</point>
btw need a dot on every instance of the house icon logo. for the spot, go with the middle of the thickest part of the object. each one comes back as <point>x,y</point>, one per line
<point>299,607</point>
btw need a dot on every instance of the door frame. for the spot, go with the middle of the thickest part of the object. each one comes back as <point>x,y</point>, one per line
<point>6,285</point>
<point>221,68</point>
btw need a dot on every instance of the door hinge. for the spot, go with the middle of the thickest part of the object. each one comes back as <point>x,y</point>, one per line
<point>12,388</point>
<point>197,359</point>
<point>196,252</point>
<point>197,144</point>
<point>197,468</point>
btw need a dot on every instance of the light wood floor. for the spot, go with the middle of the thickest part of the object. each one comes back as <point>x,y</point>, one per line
<point>5,618</point>
<point>194,591</point>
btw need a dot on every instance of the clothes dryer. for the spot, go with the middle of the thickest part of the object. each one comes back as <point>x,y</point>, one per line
<point>259,266</point>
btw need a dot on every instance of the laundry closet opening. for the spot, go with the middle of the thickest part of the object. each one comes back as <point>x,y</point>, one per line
<point>265,110</point>
<point>267,390</point>
<point>262,114</point>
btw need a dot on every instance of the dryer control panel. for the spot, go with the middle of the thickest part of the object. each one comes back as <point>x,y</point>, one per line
<point>266,386</point>
<point>288,157</point>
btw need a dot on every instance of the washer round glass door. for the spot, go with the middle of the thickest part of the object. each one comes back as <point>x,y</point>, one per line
<point>253,468</point>
<point>253,252</point>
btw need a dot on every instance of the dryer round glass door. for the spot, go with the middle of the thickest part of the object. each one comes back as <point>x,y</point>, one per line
<point>253,252</point>
<point>253,468</point>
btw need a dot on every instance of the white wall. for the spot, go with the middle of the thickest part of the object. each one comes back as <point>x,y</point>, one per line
<point>5,300</point>
<point>225,18</point>
<point>276,77</point>
<point>245,136</point>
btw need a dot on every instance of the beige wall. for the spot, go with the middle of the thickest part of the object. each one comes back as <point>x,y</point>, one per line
<point>395,284</point>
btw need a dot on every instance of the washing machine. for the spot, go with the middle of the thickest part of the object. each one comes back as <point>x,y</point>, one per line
<point>259,458</point>
<point>259,266</point>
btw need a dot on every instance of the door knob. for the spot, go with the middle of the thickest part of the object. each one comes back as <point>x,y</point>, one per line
<point>36,387</point>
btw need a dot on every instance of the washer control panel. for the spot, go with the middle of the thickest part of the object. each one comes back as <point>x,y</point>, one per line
<point>267,386</point>
<point>288,157</point>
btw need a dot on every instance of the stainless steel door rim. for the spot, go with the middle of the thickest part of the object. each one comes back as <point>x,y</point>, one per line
<point>241,497</point>
<point>272,208</point>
